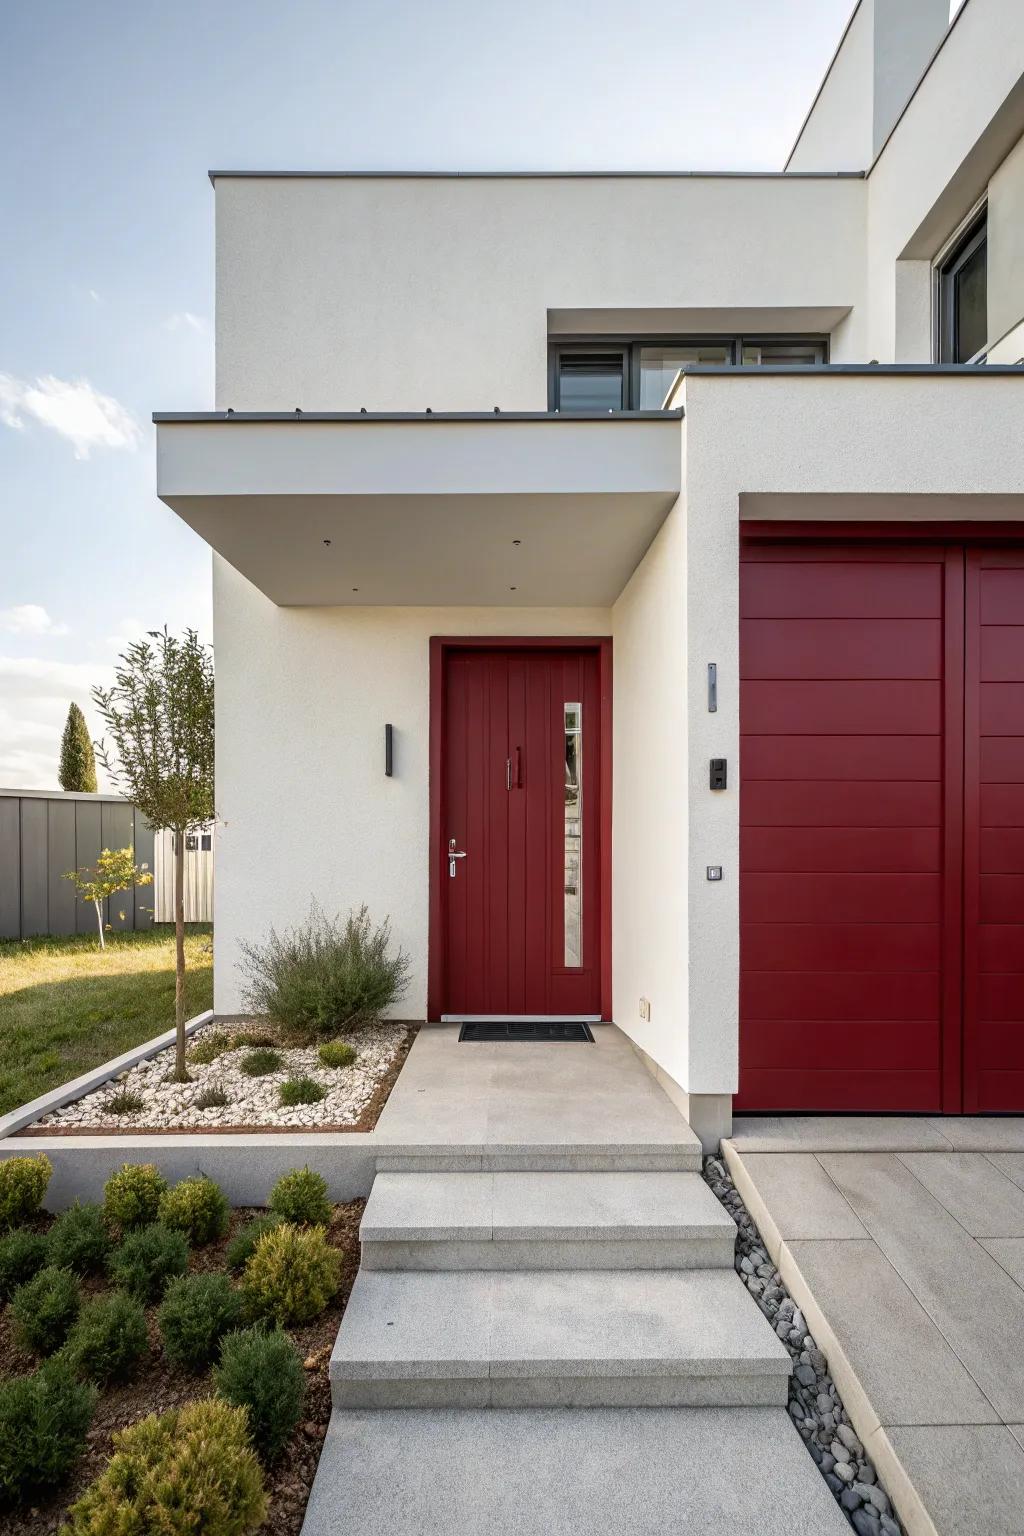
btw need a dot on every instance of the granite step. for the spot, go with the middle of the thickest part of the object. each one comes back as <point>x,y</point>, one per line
<point>545,1221</point>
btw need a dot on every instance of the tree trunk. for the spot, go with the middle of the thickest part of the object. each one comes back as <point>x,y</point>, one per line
<point>180,1072</point>
<point>99,922</point>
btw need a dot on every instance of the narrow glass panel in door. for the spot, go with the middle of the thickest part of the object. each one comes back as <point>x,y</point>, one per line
<point>573,715</point>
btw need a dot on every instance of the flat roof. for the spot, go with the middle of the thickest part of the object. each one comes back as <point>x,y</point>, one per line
<point>493,415</point>
<point>393,175</point>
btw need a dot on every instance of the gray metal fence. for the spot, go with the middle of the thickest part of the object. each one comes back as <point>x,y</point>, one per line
<point>42,835</point>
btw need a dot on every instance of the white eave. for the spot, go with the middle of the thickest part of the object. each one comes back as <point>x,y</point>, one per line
<point>339,508</point>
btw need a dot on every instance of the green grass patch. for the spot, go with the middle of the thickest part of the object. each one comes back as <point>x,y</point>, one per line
<point>66,1005</point>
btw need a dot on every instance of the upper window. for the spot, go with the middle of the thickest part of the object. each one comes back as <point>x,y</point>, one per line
<point>963,296</point>
<point>645,375</point>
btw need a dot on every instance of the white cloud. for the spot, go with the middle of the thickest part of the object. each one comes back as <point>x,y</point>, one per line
<point>29,619</point>
<point>74,409</point>
<point>185,320</point>
<point>34,699</point>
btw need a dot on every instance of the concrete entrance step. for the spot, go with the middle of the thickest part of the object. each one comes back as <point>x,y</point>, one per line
<point>576,1338</point>
<point>580,1472</point>
<point>682,1155</point>
<point>508,1221</point>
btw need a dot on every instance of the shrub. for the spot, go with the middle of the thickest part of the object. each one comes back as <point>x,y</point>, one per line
<point>44,1309</point>
<point>147,1259</point>
<point>291,1276</point>
<point>131,1196</point>
<point>337,1053</point>
<point>79,1239</point>
<point>243,1244</point>
<point>108,1339</point>
<point>315,978</point>
<point>196,1207</point>
<point>300,1090</point>
<point>192,1469</point>
<point>194,1315</point>
<point>262,1373</point>
<point>22,1255</point>
<point>44,1419</point>
<point>301,1196</point>
<point>255,1037</point>
<point>261,1062</point>
<point>126,1103</point>
<point>212,1097</point>
<point>211,1044</point>
<point>23,1182</point>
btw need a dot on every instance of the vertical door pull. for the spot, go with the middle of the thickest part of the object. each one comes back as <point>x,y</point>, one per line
<point>508,773</point>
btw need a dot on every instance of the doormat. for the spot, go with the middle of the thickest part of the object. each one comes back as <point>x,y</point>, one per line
<point>508,1031</point>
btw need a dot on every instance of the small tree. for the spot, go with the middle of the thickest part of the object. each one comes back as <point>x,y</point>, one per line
<point>160,716</point>
<point>77,761</point>
<point>115,870</point>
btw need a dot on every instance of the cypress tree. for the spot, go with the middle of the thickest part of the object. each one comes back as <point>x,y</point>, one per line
<point>77,761</point>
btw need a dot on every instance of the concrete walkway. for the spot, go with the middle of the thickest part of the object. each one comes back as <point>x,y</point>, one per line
<point>902,1241</point>
<point>547,1334</point>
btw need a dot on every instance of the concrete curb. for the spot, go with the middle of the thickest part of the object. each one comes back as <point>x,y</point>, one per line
<point>67,1093</point>
<point>906,1500</point>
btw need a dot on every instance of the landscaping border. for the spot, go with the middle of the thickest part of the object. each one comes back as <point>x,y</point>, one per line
<point>67,1093</point>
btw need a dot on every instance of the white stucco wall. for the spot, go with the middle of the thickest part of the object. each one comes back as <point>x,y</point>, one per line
<point>402,293</point>
<point>649,808</point>
<point>837,133</point>
<point>1006,246</point>
<point>304,809</point>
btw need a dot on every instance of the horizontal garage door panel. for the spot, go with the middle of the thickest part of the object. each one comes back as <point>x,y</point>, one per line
<point>782,898</point>
<point>843,996</point>
<point>887,1090</point>
<point>814,708</point>
<point>796,803</point>
<point>841,587</point>
<point>1002,708</point>
<point>1001,805</point>
<point>841,648</point>
<point>840,946</point>
<point>999,946</point>
<point>837,850</point>
<point>1000,594</point>
<point>1001,899</point>
<point>912,1049</point>
<point>840,757</point>
<point>1002,759</point>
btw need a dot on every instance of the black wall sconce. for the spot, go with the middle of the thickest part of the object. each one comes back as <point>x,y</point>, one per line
<point>389,751</point>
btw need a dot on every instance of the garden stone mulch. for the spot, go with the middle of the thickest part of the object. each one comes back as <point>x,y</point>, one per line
<point>354,1095</point>
<point>814,1403</point>
<point>158,1386</point>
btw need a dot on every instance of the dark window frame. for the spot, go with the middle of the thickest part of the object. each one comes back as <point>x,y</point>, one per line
<point>630,347</point>
<point>964,245</point>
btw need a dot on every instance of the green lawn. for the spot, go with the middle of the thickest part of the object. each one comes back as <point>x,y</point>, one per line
<point>66,1006</point>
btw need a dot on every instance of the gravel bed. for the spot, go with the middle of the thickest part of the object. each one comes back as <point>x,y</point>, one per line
<point>252,1101</point>
<point>814,1403</point>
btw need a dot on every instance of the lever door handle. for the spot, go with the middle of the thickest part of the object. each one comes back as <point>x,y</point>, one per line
<point>453,854</point>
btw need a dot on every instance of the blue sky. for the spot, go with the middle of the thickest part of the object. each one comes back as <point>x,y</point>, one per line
<point>112,113</point>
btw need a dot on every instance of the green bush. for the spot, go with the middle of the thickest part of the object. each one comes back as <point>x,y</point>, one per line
<point>79,1239</point>
<point>23,1182</point>
<point>291,1276</point>
<point>125,1102</point>
<point>301,1196</point>
<point>212,1097</point>
<point>147,1260</point>
<point>22,1255</point>
<point>131,1196</point>
<point>261,1062</point>
<point>300,1090</point>
<point>324,974</point>
<point>243,1244</point>
<point>109,1338</point>
<point>44,1308</point>
<point>262,1373</point>
<point>195,1314</point>
<point>337,1053</point>
<point>44,1419</point>
<point>211,1044</point>
<point>190,1470</point>
<point>196,1207</point>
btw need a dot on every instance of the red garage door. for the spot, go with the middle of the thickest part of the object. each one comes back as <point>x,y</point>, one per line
<point>882,869</point>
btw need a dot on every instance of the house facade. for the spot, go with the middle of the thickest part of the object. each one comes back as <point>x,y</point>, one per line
<point>619,583</point>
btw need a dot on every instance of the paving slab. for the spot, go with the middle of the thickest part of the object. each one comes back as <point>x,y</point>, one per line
<point>972,1189</point>
<point>838,1133</point>
<point>969,1296</point>
<point>801,1198</point>
<point>1010,1163</point>
<point>1009,1252</point>
<point>903,1365</point>
<point>970,1479</point>
<point>982,1133</point>
<point>578,1472</point>
<point>484,1099</point>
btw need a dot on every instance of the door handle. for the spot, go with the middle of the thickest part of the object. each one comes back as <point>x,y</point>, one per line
<point>453,854</point>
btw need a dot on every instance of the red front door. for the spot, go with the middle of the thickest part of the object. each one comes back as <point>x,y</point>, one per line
<point>519,861</point>
<point>881,827</point>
